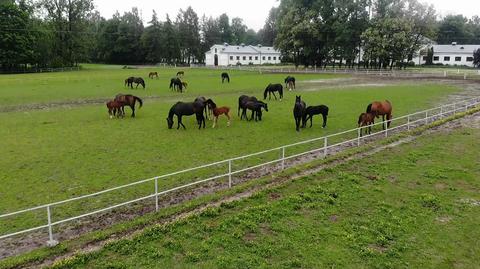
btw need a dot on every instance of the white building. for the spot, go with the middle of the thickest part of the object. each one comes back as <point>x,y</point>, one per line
<point>453,54</point>
<point>225,55</point>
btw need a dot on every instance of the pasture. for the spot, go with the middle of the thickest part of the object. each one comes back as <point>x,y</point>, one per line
<point>412,206</point>
<point>71,147</point>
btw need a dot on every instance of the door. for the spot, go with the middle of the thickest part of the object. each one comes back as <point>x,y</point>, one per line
<point>215,60</point>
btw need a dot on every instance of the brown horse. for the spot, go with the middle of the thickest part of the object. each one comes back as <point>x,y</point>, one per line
<point>114,109</point>
<point>128,100</point>
<point>381,109</point>
<point>184,84</point>
<point>366,119</point>
<point>180,73</point>
<point>218,111</point>
<point>152,75</point>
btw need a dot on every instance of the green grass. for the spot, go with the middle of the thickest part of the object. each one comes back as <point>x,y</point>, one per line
<point>54,154</point>
<point>411,207</point>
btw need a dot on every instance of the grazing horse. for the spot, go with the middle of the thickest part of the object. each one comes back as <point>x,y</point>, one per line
<point>242,100</point>
<point>128,100</point>
<point>139,81</point>
<point>180,73</point>
<point>381,109</point>
<point>153,74</point>
<point>271,89</point>
<point>218,111</point>
<point>290,86</point>
<point>299,111</point>
<point>176,84</point>
<point>186,109</point>
<point>289,80</point>
<point>315,110</point>
<point>207,109</point>
<point>256,108</point>
<point>366,119</point>
<point>114,109</point>
<point>225,76</point>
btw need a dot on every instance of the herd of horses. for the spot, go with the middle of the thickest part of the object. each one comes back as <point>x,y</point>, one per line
<point>202,107</point>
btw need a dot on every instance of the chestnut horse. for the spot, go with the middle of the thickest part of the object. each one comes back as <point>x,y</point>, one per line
<point>366,119</point>
<point>381,109</point>
<point>128,100</point>
<point>153,74</point>
<point>218,111</point>
<point>114,109</point>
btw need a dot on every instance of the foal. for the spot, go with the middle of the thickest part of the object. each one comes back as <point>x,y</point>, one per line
<point>315,110</point>
<point>115,109</point>
<point>366,119</point>
<point>218,111</point>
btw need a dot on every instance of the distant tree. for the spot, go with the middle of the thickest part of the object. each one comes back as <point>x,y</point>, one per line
<point>189,34</point>
<point>476,58</point>
<point>239,31</point>
<point>268,33</point>
<point>16,42</point>
<point>252,37</point>
<point>430,53</point>
<point>152,42</point>
<point>210,33</point>
<point>225,29</point>
<point>453,28</point>
<point>171,42</point>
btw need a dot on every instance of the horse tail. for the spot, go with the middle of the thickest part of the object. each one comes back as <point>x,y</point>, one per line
<point>139,100</point>
<point>369,108</point>
<point>360,119</point>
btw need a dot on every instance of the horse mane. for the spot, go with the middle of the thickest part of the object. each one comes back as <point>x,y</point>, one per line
<point>172,110</point>
<point>369,108</point>
<point>266,91</point>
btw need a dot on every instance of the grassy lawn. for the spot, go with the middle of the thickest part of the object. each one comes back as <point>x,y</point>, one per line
<point>54,154</point>
<point>413,206</point>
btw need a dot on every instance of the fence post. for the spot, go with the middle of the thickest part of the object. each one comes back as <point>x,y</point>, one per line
<point>426,117</point>
<point>358,136</point>
<point>408,123</point>
<point>50,242</point>
<point>386,129</point>
<point>156,194</point>
<point>229,173</point>
<point>325,144</point>
<point>283,158</point>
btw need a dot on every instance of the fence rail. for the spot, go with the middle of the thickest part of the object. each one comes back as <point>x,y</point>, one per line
<point>408,121</point>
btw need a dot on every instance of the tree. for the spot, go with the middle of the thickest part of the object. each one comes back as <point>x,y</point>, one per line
<point>453,28</point>
<point>152,41</point>
<point>224,28</point>
<point>189,33</point>
<point>171,42</point>
<point>268,33</point>
<point>69,21</point>
<point>210,33</point>
<point>239,31</point>
<point>476,58</point>
<point>16,42</point>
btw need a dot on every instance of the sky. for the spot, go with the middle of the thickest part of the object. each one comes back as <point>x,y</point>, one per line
<point>253,12</point>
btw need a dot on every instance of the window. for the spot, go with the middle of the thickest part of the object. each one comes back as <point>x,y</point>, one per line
<point>238,58</point>
<point>269,58</point>
<point>274,58</point>
<point>215,50</point>
<point>425,58</point>
<point>458,59</point>
<point>436,58</point>
<point>263,58</point>
<point>231,58</point>
<point>244,58</point>
<point>250,58</point>
<point>469,59</point>
<point>446,58</point>
<point>256,58</point>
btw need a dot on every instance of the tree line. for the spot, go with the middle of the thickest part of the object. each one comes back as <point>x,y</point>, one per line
<point>57,33</point>
<point>387,33</point>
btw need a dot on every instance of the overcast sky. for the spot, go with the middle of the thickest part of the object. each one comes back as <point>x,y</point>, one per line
<point>253,12</point>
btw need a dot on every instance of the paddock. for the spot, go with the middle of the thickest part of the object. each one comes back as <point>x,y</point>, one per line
<point>68,109</point>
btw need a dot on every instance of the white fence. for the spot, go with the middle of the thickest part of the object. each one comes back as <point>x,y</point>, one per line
<point>349,137</point>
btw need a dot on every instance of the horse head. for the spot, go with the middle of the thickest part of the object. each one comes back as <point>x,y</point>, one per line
<point>170,123</point>
<point>298,99</point>
<point>265,106</point>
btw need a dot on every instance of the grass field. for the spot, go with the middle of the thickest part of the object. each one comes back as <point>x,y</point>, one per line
<point>416,206</point>
<point>70,150</point>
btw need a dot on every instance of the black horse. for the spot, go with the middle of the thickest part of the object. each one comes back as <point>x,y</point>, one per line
<point>256,108</point>
<point>271,89</point>
<point>176,84</point>
<point>139,81</point>
<point>225,76</point>
<point>299,111</point>
<point>207,109</point>
<point>315,110</point>
<point>289,79</point>
<point>242,101</point>
<point>186,109</point>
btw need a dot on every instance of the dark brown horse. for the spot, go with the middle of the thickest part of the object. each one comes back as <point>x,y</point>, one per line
<point>181,109</point>
<point>366,119</point>
<point>381,109</point>
<point>180,73</point>
<point>128,100</point>
<point>139,81</point>
<point>242,101</point>
<point>299,112</point>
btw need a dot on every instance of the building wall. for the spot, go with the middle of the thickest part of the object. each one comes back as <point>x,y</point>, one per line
<point>443,58</point>
<point>226,59</point>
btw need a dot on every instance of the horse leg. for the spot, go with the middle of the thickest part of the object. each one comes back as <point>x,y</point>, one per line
<point>311,121</point>
<point>253,112</point>
<point>383,122</point>
<point>389,120</point>
<point>324,121</point>
<point>214,121</point>
<point>133,111</point>
<point>297,124</point>
<point>228,117</point>
<point>274,95</point>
